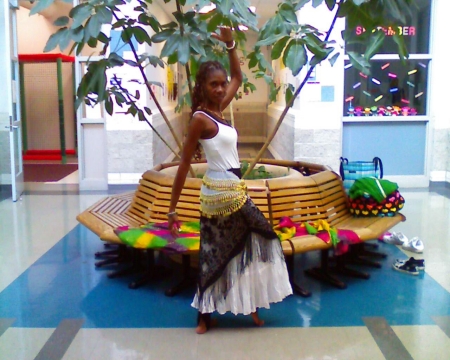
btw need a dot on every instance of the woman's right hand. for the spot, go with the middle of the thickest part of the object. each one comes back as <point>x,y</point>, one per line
<point>174,225</point>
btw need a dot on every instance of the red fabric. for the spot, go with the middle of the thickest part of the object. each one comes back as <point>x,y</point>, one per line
<point>42,58</point>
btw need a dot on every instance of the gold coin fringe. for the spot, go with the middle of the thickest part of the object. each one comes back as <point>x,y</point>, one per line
<point>230,197</point>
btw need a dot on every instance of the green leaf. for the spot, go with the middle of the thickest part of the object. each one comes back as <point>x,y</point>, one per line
<point>41,5</point>
<point>53,40</point>
<point>402,50</point>
<point>184,51</point>
<point>215,21</point>
<point>270,40</point>
<point>333,59</point>
<point>104,15</point>
<point>141,35</point>
<point>287,11</point>
<point>300,4</point>
<point>77,33</point>
<point>93,27</point>
<point>295,56</point>
<point>162,36</point>
<point>173,58</point>
<point>61,21</point>
<point>289,94</point>
<point>195,44</point>
<point>65,38</point>
<point>376,40</point>
<point>316,3</point>
<point>109,105</point>
<point>171,45</point>
<point>79,14</point>
<point>279,46</point>
<point>359,62</point>
<point>253,61</point>
<point>330,4</point>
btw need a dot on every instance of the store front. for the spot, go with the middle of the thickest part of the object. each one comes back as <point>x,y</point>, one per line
<point>387,113</point>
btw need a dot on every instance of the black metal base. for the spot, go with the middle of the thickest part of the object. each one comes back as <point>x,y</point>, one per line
<point>155,273</point>
<point>186,282</point>
<point>113,257</point>
<point>291,270</point>
<point>363,251</point>
<point>342,269</point>
<point>325,276</point>
<point>324,272</point>
<point>357,255</point>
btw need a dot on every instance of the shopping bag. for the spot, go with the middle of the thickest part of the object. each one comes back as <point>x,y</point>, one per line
<point>352,170</point>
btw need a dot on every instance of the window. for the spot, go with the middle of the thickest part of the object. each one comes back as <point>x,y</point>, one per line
<point>393,88</point>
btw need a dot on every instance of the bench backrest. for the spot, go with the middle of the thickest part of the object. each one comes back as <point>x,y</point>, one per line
<point>319,196</point>
<point>333,197</point>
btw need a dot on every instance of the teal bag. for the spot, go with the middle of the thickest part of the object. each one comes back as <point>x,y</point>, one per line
<point>352,170</point>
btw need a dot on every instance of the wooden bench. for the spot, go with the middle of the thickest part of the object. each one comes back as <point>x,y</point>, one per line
<point>308,193</point>
<point>322,196</point>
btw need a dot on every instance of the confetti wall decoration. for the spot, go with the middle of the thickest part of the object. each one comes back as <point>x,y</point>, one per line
<point>391,89</point>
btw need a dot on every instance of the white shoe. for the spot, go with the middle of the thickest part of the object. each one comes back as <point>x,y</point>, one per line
<point>396,238</point>
<point>414,245</point>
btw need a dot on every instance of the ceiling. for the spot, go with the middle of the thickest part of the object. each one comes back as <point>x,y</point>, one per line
<point>264,8</point>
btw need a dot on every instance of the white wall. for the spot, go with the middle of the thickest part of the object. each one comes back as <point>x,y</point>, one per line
<point>317,125</point>
<point>439,78</point>
<point>28,29</point>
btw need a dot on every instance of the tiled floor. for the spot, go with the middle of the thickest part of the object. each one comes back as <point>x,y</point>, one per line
<point>54,303</point>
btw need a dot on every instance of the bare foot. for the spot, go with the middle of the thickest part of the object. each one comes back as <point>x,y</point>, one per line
<point>203,328</point>
<point>256,319</point>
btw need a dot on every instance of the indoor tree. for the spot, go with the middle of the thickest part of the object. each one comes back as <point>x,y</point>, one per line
<point>187,41</point>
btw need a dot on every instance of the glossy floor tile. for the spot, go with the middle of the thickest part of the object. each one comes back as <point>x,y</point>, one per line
<point>48,276</point>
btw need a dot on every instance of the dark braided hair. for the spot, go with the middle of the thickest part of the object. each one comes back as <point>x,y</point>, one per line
<point>203,72</point>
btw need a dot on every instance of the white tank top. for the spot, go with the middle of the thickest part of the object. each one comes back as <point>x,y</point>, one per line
<point>221,150</point>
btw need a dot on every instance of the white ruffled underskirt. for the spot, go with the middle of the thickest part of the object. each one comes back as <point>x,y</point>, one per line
<point>261,284</point>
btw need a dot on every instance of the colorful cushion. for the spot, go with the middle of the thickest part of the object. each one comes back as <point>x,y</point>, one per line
<point>368,206</point>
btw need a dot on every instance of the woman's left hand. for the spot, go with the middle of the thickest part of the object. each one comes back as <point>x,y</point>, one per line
<point>225,35</point>
<point>174,225</point>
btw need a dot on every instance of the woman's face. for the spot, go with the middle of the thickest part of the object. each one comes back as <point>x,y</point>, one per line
<point>215,87</point>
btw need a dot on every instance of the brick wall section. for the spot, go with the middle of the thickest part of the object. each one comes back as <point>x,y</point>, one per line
<point>178,122</point>
<point>250,121</point>
<point>441,150</point>
<point>320,146</point>
<point>283,144</point>
<point>129,151</point>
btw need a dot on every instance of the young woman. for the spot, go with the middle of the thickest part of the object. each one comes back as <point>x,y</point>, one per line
<point>241,264</point>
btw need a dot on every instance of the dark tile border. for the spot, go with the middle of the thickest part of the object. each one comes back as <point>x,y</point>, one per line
<point>5,192</point>
<point>386,339</point>
<point>443,322</point>
<point>5,324</point>
<point>60,340</point>
<point>440,187</point>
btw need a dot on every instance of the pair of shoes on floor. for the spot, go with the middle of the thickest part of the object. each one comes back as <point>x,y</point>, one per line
<point>414,245</point>
<point>398,238</point>
<point>395,238</point>
<point>410,266</point>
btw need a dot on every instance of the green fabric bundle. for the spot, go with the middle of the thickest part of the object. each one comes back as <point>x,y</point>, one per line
<point>378,189</point>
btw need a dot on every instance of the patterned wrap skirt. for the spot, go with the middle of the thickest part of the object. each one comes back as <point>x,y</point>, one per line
<point>241,265</point>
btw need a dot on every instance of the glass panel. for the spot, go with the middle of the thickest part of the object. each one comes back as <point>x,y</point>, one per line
<point>90,112</point>
<point>416,32</point>
<point>17,152</point>
<point>392,89</point>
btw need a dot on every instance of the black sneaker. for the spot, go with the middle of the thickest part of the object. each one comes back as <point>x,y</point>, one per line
<point>419,263</point>
<point>406,268</point>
